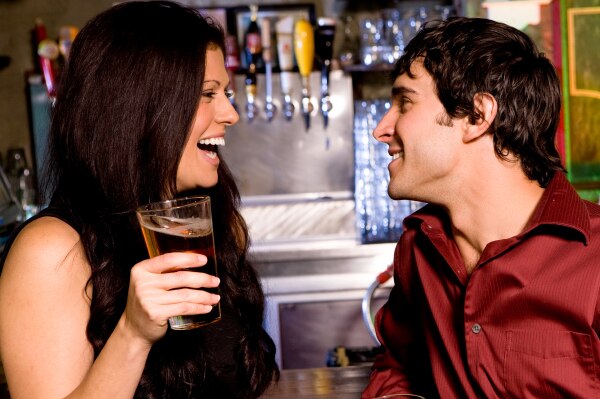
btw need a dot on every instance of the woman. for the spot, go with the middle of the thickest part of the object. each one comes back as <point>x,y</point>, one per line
<point>142,108</point>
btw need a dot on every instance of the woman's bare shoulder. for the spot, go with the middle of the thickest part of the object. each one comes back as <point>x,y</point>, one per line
<point>47,245</point>
<point>44,309</point>
<point>50,230</point>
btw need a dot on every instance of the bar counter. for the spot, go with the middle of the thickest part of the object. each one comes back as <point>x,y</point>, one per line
<point>321,383</point>
<point>318,383</point>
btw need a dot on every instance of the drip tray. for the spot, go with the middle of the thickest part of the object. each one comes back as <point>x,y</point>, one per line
<point>288,219</point>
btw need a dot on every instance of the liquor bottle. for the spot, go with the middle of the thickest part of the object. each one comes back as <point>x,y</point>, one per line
<point>252,50</point>
<point>252,41</point>
<point>232,63</point>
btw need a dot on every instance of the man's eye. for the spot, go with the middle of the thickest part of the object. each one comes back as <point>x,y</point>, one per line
<point>403,104</point>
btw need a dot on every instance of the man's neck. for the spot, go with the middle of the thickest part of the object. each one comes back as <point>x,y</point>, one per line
<point>496,209</point>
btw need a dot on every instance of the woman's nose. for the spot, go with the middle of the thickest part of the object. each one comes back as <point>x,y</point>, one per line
<point>227,114</point>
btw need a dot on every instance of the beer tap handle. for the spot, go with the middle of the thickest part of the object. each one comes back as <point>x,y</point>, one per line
<point>284,29</point>
<point>304,47</point>
<point>270,108</point>
<point>324,50</point>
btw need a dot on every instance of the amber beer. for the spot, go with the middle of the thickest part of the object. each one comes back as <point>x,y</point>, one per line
<point>179,227</point>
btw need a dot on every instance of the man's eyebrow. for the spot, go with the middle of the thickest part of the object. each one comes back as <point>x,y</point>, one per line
<point>398,91</point>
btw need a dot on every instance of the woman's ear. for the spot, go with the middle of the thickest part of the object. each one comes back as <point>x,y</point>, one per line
<point>487,107</point>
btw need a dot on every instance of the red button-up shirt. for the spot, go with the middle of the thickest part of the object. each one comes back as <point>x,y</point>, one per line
<point>525,324</point>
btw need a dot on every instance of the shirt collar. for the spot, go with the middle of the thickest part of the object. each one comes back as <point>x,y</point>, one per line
<point>560,205</point>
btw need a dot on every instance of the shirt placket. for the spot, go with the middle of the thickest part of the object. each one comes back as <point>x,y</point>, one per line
<point>473,328</point>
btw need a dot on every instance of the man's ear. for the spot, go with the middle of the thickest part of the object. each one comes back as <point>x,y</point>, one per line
<point>487,107</point>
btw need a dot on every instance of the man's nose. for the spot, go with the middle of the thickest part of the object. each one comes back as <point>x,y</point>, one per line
<point>385,128</point>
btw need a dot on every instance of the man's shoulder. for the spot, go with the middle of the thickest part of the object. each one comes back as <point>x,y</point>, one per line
<point>594,212</point>
<point>593,208</point>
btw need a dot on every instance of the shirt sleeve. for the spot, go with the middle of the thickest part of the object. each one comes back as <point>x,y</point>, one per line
<point>388,372</point>
<point>396,327</point>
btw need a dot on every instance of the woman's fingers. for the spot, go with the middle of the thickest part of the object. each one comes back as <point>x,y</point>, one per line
<point>180,302</point>
<point>181,309</point>
<point>187,278</point>
<point>173,261</point>
<point>168,285</point>
<point>173,270</point>
<point>188,295</point>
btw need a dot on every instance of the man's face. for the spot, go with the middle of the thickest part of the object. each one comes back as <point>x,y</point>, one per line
<point>423,140</point>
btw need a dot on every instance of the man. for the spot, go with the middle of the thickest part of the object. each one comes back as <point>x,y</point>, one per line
<point>497,279</point>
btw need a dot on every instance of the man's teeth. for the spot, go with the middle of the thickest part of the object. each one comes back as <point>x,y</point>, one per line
<point>213,141</point>
<point>398,155</point>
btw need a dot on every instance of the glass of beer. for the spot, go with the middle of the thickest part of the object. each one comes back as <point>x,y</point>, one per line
<point>182,225</point>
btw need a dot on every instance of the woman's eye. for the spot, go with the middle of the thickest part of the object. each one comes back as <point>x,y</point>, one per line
<point>229,93</point>
<point>209,94</point>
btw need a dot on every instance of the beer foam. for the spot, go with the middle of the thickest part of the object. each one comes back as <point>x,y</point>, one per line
<point>179,227</point>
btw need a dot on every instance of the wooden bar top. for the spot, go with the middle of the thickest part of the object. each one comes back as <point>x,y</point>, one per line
<point>321,383</point>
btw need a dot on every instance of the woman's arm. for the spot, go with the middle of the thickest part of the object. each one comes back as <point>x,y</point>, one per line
<point>44,311</point>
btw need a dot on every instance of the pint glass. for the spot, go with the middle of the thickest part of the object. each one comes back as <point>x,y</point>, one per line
<point>182,225</point>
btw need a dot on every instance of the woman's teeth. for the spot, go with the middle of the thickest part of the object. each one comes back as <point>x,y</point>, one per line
<point>213,141</point>
<point>209,146</point>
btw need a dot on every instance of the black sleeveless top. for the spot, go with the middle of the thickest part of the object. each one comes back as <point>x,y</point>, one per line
<point>216,347</point>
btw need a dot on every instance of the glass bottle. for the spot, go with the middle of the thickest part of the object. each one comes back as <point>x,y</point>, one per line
<point>349,49</point>
<point>252,50</point>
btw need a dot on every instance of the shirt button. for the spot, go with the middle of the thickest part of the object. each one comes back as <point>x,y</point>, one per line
<point>476,328</point>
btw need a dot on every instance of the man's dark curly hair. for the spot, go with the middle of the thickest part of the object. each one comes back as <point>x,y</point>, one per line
<point>467,56</point>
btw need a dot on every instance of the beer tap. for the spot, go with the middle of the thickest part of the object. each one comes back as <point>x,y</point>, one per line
<point>324,51</point>
<point>270,108</point>
<point>284,29</point>
<point>304,47</point>
<point>252,50</point>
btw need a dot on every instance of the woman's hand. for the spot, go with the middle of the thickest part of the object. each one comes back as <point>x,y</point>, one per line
<point>161,287</point>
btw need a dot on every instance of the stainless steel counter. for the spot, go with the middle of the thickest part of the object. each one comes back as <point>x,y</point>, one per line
<point>320,383</point>
<point>309,257</point>
<point>320,266</point>
<point>314,290</point>
<point>315,273</point>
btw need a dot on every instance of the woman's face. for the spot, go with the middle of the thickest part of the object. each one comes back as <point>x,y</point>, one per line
<point>199,162</point>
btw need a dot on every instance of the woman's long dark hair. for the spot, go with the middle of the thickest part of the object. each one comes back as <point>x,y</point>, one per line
<point>125,105</point>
